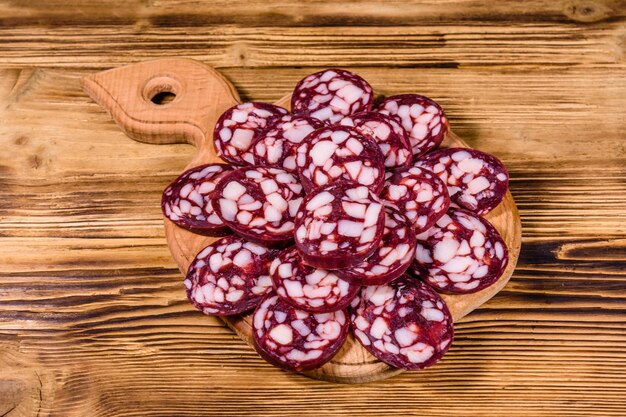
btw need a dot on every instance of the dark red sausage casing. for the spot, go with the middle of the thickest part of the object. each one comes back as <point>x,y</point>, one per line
<point>476,180</point>
<point>308,288</point>
<point>462,253</point>
<point>423,119</point>
<point>259,203</point>
<point>276,145</point>
<point>239,126</point>
<point>393,256</point>
<point>417,193</point>
<point>388,134</point>
<point>405,323</point>
<point>230,276</point>
<point>336,153</point>
<point>186,201</point>
<point>339,226</point>
<point>294,339</point>
<point>331,94</point>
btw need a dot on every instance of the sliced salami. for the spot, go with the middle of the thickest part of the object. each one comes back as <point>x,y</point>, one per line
<point>336,153</point>
<point>309,288</point>
<point>393,256</point>
<point>259,203</point>
<point>423,119</point>
<point>230,276</point>
<point>276,146</point>
<point>462,253</point>
<point>476,180</point>
<point>238,127</point>
<point>385,130</point>
<point>339,226</point>
<point>186,200</point>
<point>294,339</point>
<point>404,324</point>
<point>419,194</point>
<point>331,94</point>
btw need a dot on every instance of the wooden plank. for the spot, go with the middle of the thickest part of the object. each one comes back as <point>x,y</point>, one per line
<point>240,33</point>
<point>286,13</point>
<point>439,45</point>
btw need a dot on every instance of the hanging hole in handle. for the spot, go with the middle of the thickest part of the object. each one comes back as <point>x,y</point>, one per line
<point>162,90</point>
<point>163,97</point>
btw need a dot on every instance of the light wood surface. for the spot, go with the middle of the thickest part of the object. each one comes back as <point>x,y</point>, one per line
<point>93,320</point>
<point>200,96</point>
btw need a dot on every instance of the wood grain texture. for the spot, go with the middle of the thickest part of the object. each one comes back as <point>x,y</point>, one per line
<point>93,316</point>
<point>201,95</point>
<point>452,34</point>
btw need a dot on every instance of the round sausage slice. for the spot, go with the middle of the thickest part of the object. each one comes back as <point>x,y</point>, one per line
<point>462,253</point>
<point>391,138</point>
<point>336,153</point>
<point>239,126</point>
<point>230,276</point>
<point>294,339</point>
<point>339,226</point>
<point>186,200</point>
<point>259,203</point>
<point>404,324</point>
<point>393,256</point>
<point>331,94</point>
<point>423,119</point>
<point>419,194</point>
<point>476,180</point>
<point>276,146</point>
<point>309,288</point>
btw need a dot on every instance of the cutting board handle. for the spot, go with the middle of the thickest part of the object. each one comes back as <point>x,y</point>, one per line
<point>131,94</point>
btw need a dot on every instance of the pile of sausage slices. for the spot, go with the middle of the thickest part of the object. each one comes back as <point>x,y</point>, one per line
<point>340,215</point>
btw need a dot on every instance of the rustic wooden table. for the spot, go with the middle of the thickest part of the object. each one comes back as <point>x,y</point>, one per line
<point>93,316</point>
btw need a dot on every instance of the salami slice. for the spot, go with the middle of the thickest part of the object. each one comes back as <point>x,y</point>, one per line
<point>404,324</point>
<point>419,194</point>
<point>336,153</point>
<point>423,119</point>
<point>259,203</point>
<point>462,253</point>
<point>476,180</point>
<point>393,256</point>
<point>385,130</point>
<point>238,126</point>
<point>294,339</point>
<point>308,288</point>
<point>331,94</point>
<point>186,200</point>
<point>276,146</point>
<point>339,226</point>
<point>230,276</point>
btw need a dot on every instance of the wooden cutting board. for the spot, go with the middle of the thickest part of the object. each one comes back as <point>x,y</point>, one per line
<point>178,101</point>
